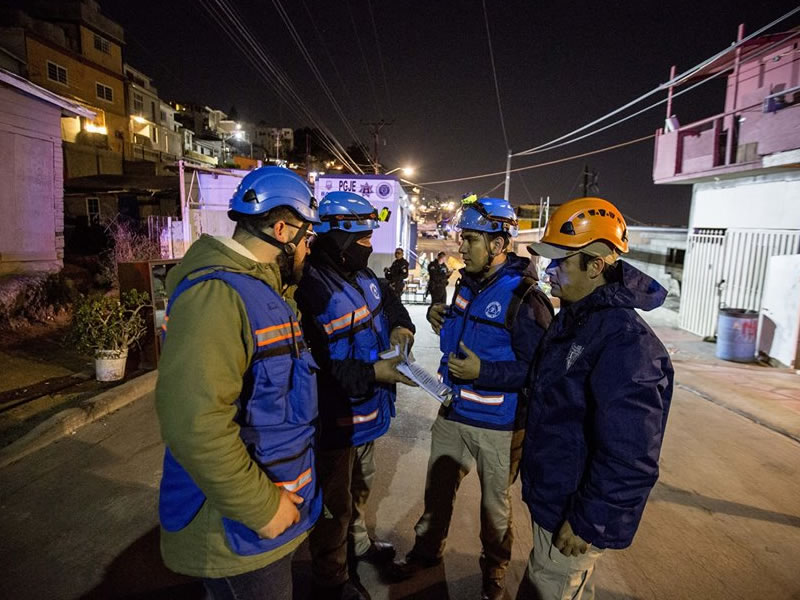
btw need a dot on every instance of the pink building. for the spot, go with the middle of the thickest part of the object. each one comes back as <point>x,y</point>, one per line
<point>31,163</point>
<point>744,167</point>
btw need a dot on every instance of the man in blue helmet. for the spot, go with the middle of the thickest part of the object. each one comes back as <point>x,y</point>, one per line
<point>236,398</point>
<point>350,317</point>
<point>488,336</point>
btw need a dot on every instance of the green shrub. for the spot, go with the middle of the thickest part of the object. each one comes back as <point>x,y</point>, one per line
<point>107,323</point>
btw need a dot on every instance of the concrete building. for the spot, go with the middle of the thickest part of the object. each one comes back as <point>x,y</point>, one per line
<point>277,141</point>
<point>32,194</point>
<point>73,50</point>
<point>153,137</point>
<point>744,167</point>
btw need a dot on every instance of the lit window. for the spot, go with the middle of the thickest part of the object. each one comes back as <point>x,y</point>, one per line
<point>105,93</point>
<point>56,73</point>
<point>102,44</point>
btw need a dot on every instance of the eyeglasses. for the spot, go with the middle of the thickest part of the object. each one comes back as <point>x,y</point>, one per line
<point>308,236</point>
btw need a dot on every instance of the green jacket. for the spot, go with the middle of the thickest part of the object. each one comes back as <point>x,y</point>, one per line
<point>207,352</point>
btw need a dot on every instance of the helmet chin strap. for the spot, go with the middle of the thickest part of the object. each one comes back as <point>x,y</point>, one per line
<point>287,248</point>
<point>491,258</point>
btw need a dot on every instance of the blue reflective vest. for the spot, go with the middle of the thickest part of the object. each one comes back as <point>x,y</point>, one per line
<point>355,327</point>
<point>275,412</point>
<point>478,318</point>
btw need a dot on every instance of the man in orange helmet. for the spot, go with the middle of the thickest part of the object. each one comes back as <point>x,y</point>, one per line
<point>599,392</point>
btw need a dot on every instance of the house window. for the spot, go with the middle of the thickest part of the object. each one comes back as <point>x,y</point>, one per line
<point>102,44</point>
<point>138,103</point>
<point>105,93</point>
<point>93,210</point>
<point>163,116</point>
<point>155,134</point>
<point>56,73</point>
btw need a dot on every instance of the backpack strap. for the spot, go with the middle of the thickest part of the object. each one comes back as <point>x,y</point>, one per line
<point>523,288</point>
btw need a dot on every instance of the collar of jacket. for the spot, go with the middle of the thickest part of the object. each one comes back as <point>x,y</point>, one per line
<point>513,265</point>
<point>629,288</point>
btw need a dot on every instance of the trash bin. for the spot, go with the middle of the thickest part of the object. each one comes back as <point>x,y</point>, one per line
<point>736,334</point>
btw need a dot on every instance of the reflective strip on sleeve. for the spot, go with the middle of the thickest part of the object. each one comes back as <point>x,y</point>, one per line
<point>356,419</point>
<point>345,320</point>
<point>475,397</point>
<point>297,484</point>
<point>276,333</point>
<point>461,302</point>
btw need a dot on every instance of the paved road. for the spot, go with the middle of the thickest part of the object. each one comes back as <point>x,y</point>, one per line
<point>723,522</point>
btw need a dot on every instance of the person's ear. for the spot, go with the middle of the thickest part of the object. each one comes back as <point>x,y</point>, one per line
<point>280,231</point>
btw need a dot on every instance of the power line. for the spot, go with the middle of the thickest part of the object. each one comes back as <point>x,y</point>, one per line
<point>380,58</point>
<point>663,101</point>
<point>674,81</point>
<point>545,164</point>
<point>314,69</point>
<point>363,57</point>
<point>494,74</point>
<point>242,38</point>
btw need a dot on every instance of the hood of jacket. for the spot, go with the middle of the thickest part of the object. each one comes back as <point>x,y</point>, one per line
<point>209,252</point>
<point>629,288</point>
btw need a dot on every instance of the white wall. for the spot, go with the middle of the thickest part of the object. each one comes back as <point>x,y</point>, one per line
<point>761,202</point>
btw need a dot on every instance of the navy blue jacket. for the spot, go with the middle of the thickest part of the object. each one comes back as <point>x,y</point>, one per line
<point>599,397</point>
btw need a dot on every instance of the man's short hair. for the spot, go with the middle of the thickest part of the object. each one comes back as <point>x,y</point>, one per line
<point>264,221</point>
<point>441,254</point>
<point>502,234</point>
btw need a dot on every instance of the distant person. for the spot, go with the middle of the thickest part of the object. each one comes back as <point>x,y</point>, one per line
<point>438,276</point>
<point>349,317</point>
<point>237,398</point>
<point>600,393</point>
<point>397,273</point>
<point>488,336</point>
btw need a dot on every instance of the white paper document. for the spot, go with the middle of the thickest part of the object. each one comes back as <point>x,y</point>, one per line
<point>429,383</point>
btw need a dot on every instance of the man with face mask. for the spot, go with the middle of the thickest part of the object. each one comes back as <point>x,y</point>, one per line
<point>350,317</point>
<point>487,336</point>
<point>236,398</point>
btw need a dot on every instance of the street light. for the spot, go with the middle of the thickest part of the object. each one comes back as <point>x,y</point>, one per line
<point>407,171</point>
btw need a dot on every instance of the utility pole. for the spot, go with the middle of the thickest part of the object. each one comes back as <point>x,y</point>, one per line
<point>585,180</point>
<point>374,130</point>
<point>508,175</point>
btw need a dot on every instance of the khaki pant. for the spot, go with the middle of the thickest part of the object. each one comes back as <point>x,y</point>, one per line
<point>552,576</point>
<point>455,447</point>
<point>346,477</point>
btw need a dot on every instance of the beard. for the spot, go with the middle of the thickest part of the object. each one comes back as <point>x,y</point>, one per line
<point>290,267</point>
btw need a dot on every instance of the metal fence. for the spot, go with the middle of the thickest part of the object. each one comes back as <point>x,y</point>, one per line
<point>727,268</point>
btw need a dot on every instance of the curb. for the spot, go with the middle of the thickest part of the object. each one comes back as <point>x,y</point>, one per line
<point>70,420</point>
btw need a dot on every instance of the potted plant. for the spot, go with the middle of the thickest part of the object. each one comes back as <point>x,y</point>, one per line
<point>106,327</point>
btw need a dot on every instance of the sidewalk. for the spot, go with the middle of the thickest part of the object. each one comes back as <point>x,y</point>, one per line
<point>80,516</point>
<point>48,391</point>
<point>765,395</point>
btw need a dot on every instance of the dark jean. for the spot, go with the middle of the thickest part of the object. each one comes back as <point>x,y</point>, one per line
<point>272,581</point>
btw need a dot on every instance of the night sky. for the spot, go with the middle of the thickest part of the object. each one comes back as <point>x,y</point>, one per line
<point>560,65</point>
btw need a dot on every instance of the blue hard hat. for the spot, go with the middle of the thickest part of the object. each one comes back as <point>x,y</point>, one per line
<point>266,188</point>
<point>349,212</point>
<point>490,215</point>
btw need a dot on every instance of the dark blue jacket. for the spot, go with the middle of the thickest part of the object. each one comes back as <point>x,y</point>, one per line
<point>503,333</point>
<point>599,398</point>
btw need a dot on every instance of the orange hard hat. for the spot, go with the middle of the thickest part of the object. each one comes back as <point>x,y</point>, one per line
<point>580,222</point>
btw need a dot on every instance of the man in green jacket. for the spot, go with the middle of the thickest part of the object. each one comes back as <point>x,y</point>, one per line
<point>236,398</point>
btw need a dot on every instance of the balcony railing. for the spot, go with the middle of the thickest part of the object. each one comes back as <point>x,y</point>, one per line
<point>728,142</point>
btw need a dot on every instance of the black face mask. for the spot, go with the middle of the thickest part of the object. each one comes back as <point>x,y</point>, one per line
<point>356,257</point>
